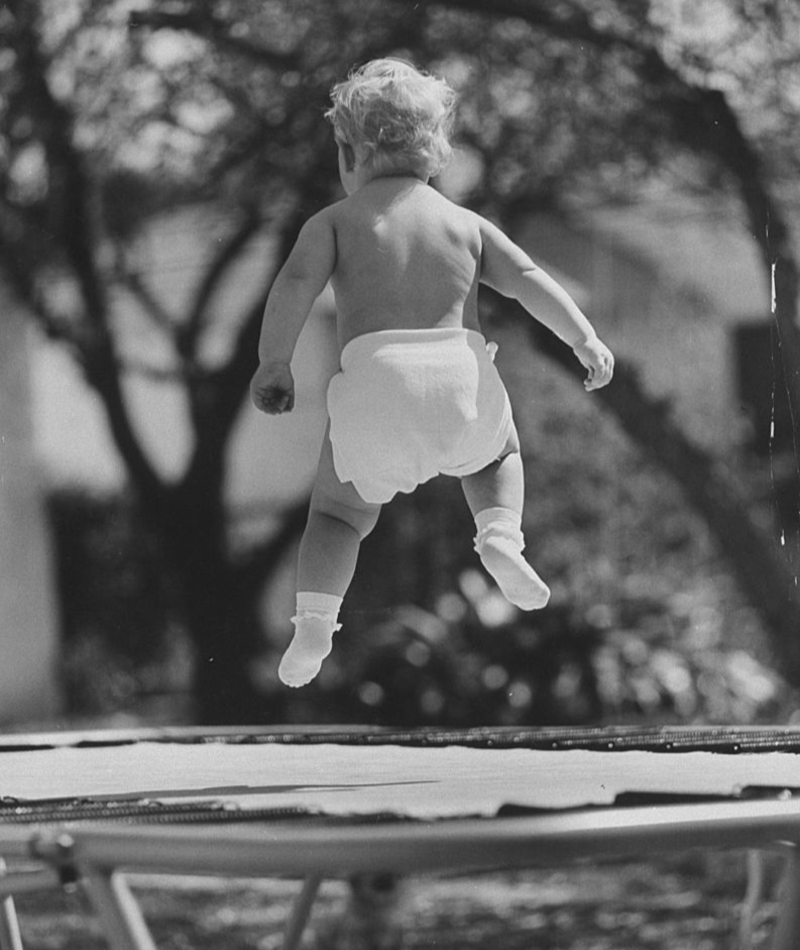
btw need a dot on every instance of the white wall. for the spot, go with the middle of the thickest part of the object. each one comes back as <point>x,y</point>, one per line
<point>665,296</point>
<point>28,628</point>
<point>272,459</point>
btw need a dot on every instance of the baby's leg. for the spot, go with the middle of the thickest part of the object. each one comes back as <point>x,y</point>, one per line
<point>338,520</point>
<point>495,496</point>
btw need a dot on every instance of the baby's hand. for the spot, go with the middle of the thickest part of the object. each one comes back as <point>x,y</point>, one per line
<point>599,360</point>
<point>272,388</point>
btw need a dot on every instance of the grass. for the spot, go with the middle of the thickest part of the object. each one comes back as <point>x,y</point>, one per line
<point>693,902</point>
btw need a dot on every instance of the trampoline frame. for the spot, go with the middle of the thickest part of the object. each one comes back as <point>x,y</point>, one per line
<point>100,856</point>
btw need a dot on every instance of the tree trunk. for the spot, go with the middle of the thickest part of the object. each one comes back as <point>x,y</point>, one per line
<point>227,639</point>
<point>706,122</point>
<point>753,552</point>
<point>220,616</point>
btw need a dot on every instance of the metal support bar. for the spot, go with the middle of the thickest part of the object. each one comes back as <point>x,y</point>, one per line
<point>27,881</point>
<point>786,935</point>
<point>420,847</point>
<point>301,911</point>
<point>119,912</point>
<point>10,936</point>
<point>94,852</point>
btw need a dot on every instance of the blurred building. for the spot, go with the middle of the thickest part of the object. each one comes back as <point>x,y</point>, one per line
<point>676,290</point>
<point>272,460</point>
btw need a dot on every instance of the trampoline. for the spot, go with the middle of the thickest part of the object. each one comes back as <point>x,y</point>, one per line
<point>318,803</point>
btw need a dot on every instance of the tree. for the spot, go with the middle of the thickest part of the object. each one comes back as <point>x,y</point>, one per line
<point>678,101</point>
<point>112,117</point>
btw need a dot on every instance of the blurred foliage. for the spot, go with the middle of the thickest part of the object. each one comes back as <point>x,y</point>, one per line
<point>120,641</point>
<point>634,651</point>
<point>686,901</point>
<point>645,623</point>
<point>474,660</point>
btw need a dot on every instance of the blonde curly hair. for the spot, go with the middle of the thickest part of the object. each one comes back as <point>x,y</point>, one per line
<point>401,115</point>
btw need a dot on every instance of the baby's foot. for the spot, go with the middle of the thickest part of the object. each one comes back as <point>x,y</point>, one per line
<point>519,583</point>
<point>311,643</point>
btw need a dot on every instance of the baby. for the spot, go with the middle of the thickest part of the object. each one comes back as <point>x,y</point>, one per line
<point>418,394</point>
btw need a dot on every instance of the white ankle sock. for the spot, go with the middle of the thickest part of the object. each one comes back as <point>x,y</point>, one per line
<point>499,543</point>
<point>315,624</point>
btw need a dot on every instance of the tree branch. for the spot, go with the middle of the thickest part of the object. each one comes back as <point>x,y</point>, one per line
<point>202,22</point>
<point>70,205</point>
<point>226,388</point>
<point>22,281</point>
<point>155,374</point>
<point>69,181</point>
<point>232,381</point>
<point>765,575</point>
<point>225,258</point>
<point>575,24</point>
<point>151,305</point>
<point>705,121</point>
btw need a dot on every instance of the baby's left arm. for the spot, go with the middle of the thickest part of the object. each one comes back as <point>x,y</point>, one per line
<point>507,268</point>
<point>298,284</point>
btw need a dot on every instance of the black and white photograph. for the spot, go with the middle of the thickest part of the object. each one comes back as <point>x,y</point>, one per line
<point>399,474</point>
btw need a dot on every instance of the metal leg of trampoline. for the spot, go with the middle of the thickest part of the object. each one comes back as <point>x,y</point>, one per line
<point>126,929</point>
<point>120,915</point>
<point>301,911</point>
<point>10,937</point>
<point>786,935</point>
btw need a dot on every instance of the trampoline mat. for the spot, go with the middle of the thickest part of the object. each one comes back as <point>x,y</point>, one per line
<point>420,776</point>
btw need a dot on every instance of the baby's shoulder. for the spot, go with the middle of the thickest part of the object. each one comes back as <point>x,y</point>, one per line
<point>460,221</point>
<point>454,214</point>
<point>326,216</point>
<point>346,210</point>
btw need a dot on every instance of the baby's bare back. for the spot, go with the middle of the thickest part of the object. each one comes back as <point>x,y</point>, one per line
<point>406,258</point>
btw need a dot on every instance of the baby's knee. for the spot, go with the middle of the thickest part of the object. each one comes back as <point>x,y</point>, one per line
<point>360,516</point>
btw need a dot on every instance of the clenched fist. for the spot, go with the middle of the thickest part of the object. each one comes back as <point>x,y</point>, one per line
<point>272,388</point>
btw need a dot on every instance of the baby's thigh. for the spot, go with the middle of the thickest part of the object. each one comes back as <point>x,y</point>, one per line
<point>339,499</point>
<point>512,443</point>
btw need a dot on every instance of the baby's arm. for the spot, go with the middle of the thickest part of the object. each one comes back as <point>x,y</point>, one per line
<point>507,269</point>
<point>298,284</point>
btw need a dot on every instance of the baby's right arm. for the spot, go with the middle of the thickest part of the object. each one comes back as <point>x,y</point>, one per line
<point>506,268</point>
<point>298,284</point>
